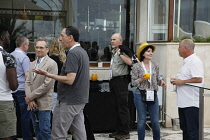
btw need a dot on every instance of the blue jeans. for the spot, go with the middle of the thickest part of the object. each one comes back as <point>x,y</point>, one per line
<point>23,115</point>
<point>153,109</point>
<point>55,95</point>
<point>189,122</point>
<point>42,127</point>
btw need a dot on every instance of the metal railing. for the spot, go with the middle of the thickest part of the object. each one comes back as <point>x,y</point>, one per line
<point>201,109</point>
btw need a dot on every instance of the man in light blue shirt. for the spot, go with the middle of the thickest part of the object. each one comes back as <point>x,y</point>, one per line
<point>23,63</point>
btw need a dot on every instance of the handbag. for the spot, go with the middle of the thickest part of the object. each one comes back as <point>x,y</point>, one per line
<point>144,96</point>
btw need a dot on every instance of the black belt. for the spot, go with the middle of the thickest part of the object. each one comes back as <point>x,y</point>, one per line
<point>120,77</point>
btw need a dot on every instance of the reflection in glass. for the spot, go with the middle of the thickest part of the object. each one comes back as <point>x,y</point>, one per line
<point>96,21</point>
<point>158,20</point>
<point>33,19</point>
<point>192,18</point>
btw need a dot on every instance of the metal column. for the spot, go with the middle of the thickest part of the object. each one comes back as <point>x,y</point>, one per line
<point>201,113</point>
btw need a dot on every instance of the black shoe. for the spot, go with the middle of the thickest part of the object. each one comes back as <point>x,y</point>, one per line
<point>113,135</point>
<point>122,137</point>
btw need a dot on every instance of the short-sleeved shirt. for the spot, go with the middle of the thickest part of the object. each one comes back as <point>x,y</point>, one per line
<point>6,61</point>
<point>23,63</point>
<point>188,96</point>
<point>77,61</point>
<point>118,66</point>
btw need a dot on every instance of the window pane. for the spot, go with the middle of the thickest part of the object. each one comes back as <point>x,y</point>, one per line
<point>96,20</point>
<point>158,20</point>
<point>33,19</point>
<point>193,20</point>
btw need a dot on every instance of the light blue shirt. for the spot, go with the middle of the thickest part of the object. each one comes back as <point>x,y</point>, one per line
<point>23,63</point>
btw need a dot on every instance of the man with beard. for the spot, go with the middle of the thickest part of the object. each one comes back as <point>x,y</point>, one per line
<point>119,75</point>
<point>8,82</point>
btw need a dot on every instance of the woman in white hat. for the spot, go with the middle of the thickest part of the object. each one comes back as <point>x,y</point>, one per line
<point>145,76</point>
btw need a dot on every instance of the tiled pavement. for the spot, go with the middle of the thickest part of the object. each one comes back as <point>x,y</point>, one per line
<point>166,134</point>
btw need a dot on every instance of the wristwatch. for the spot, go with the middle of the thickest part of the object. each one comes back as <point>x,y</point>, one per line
<point>120,54</point>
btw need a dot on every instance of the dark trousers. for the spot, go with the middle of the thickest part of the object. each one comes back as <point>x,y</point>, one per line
<point>189,122</point>
<point>119,88</point>
<point>23,115</point>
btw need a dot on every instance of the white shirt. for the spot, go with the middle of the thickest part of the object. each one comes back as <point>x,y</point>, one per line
<point>37,64</point>
<point>188,96</point>
<point>5,91</point>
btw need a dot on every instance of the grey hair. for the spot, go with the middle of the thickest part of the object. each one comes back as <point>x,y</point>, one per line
<point>188,43</point>
<point>43,39</point>
<point>20,41</point>
<point>118,35</point>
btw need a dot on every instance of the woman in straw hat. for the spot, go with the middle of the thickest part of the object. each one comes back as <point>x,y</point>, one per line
<point>145,76</point>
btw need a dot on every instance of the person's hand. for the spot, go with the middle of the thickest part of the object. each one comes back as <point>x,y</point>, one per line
<point>118,51</point>
<point>143,78</point>
<point>163,84</point>
<point>126,50</point>
<point>177,82</point>
<point>27,100</point>
<point>32,105</point>
<point>40,71</point>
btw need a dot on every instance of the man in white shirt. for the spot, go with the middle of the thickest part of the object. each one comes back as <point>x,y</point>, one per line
<point>8,82</point>
<point>187,96</point>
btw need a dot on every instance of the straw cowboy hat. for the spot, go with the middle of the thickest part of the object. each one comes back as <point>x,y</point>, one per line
<point>141,48</point>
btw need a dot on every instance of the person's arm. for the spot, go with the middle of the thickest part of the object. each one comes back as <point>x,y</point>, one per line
<point>126,59</point>
<point>47,84</point>
<point>182,82</point>
<point>68,79</point>
<point>135,79</point>
<point>12,78</point>
<point>28,88</point>
<point>25,65</point>
<point>159,80</point>
<point>26,74</point>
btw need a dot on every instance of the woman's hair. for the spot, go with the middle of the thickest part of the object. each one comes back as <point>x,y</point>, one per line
<point>143,51</point>
<point>56,48</point>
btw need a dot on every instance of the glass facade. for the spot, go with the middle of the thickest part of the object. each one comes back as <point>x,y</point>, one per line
<point>32,19</point>
<point>192,18</point>
<point>96,20</point>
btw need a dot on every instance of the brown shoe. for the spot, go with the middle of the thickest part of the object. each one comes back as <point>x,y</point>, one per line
<point>113,135</point>
<point>122,137</point>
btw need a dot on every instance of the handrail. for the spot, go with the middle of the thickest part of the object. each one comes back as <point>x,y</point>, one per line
<point>201,109</point>
<point>197,86</point>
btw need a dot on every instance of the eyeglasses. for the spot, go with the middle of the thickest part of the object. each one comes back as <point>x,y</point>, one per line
<point>41,48</point>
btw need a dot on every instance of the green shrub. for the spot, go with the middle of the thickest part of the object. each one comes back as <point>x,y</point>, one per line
<point>199,39</point>
<point>195,39</point>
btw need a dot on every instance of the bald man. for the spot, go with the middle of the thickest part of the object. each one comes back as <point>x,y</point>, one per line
<point>188,97</point>
<point>119,75</point>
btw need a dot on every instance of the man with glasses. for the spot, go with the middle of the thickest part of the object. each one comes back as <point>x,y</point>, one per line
<point>23,62</point>
<point>73,88</point>
<point>39,91</point>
